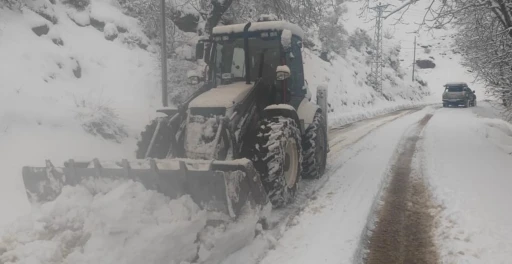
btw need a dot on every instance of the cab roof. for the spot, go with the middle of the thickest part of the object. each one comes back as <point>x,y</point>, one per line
<point>260,26</point>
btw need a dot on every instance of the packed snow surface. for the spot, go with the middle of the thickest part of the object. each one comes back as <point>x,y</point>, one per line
<point>468,161</point>
<point>222,95</point>
<point>280,106</point>
<point>261,26</point>
<point>329,227</point>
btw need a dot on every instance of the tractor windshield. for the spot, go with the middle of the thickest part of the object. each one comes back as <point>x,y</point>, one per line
<point>230,59</point>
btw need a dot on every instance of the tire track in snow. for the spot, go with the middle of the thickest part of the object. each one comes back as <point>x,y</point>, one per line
<point>280,220</point>
<point>404,225</point>
<point>350,134</point>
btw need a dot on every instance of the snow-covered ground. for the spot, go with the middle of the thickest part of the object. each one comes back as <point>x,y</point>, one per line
<point>54,97</point>
<point>468,161</point>
<point>57,87</point>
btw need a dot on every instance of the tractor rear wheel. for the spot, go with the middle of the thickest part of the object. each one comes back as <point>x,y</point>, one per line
<point>278,158</point>
<point>161,145</point>
<point>314,148</point>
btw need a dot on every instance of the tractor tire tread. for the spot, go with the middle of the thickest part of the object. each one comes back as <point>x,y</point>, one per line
<point>269,157</point>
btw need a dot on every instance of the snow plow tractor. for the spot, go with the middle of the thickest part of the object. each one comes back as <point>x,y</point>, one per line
<point>247,136</point>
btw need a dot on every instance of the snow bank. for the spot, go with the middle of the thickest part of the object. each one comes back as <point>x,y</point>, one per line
<point>498,132</point>
<point>467,161</point>
<point>126,224</point>
<point>258,26</point>
<point>116,222</point>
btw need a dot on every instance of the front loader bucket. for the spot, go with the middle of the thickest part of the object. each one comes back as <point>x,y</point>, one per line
<point>223,186</point>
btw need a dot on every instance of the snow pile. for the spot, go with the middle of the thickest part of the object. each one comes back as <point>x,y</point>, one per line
<point>264,25</point>
<point>115,222</point>
<point>286,39</point>
<point>127,224</point>
<point>200,140</point>
<point>498,132</point>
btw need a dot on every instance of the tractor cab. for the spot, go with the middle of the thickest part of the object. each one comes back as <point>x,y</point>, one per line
<point>264,54</point>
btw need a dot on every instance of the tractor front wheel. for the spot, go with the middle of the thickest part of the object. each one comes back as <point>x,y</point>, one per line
<point>278,158</point>
<point>161,145</point>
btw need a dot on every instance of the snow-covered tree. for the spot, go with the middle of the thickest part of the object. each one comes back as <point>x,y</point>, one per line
<point>484,37</point>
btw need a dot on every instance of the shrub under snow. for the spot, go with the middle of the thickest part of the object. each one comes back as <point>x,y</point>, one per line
<point>110,31</point>
<point>100,120</point>
<point>78,4</point>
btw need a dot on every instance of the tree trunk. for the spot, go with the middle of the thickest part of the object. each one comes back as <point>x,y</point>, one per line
<point>219,7</point>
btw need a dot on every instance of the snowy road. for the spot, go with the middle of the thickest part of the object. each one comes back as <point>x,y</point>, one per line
<point>345,194</point>
<point>454,183</point>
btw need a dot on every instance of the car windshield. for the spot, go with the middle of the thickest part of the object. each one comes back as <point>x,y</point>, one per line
<point>230,59</point>
<point>453,89</point>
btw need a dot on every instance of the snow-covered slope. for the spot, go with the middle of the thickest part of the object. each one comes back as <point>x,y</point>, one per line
<point>63,88</point>
<point>350,97</point>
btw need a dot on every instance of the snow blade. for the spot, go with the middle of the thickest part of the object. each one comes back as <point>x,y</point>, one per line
<point>222,186</point>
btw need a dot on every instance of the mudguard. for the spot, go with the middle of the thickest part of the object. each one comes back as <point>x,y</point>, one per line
<point>321,100</point>
<point>307,111</point>
<point>283,110</point>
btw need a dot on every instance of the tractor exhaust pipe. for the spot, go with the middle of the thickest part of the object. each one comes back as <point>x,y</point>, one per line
<point>164,55</point>
<point>246,48</point>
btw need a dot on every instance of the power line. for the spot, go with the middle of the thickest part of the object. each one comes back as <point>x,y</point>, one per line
<point>376,70</point>
<point>377,63</point>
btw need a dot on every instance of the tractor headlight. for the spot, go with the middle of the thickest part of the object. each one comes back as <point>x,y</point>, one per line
<point>193,77</point>
<point>193,80</point>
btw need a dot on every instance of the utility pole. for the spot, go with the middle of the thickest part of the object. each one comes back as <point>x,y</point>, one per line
<point>414,59</point>
<point>376,71</point>
<point>164,56</point>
